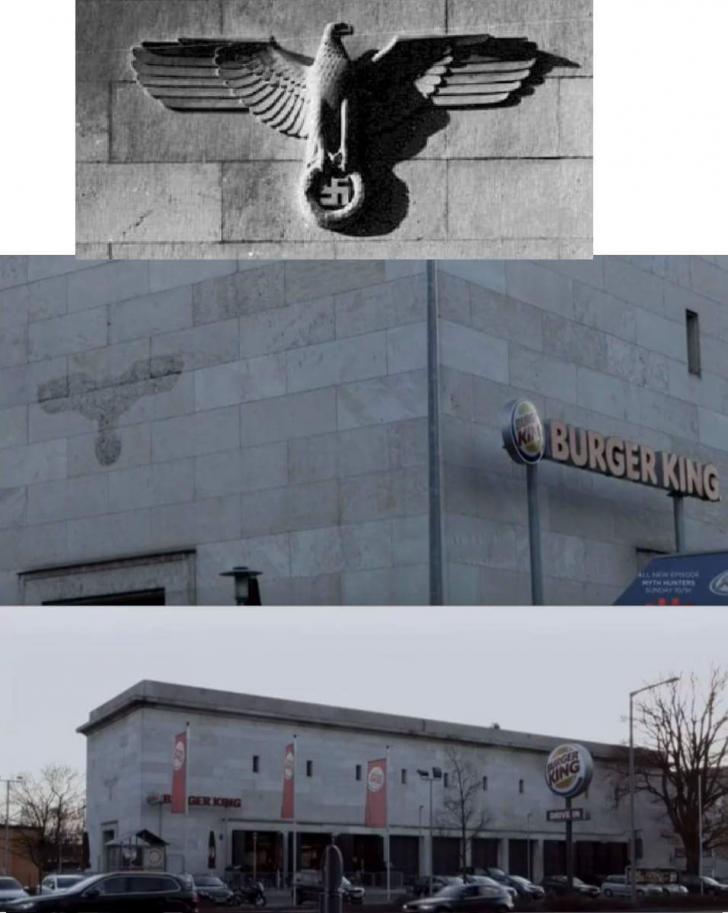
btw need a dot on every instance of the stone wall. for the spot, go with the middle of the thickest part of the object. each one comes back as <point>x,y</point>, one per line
<point>599,344</point>
<point>161,422</point>
<point>510,181</point>
<point>271,415</point>
<point>129,759</point>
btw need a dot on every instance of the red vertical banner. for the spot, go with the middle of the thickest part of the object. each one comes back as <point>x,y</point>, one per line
<point>288,805</point>
<point>179,774</point>
<point>375,814</point>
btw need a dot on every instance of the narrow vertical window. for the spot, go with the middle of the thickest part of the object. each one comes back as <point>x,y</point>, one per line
<point>485,784</point>
<point>520,786</point>
<point>692,325</point>
<point>256,763</point>
<point>309,768</point>
<point>357,772</point>
<point>445,781</point>
<point>404,776</point>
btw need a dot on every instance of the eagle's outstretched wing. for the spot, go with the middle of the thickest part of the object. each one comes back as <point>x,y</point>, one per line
<point>450,71</point>
<point>227,75</point>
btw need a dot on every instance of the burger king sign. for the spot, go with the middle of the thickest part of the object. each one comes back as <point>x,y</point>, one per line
<point>569,770</point>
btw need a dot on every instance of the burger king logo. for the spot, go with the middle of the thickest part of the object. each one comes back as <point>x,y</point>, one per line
<point>375,779</point>
<point>178,756</point>
<point>288,764</point>
<point>569,770</point>
<point>523,433</point>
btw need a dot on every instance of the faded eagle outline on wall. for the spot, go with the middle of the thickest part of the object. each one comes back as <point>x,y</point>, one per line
<point>104,400</point>
<point>339,106</point>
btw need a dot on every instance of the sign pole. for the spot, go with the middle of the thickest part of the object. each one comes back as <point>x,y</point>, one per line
<point>534,534</point>
<point>678,512</point>
<point>569,848</point>
<point>525,443</point>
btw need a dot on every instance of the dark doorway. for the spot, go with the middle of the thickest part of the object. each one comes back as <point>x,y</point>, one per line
<point>405,855</point>
<point>259,850</point>
<point>446,854</point>
<point>485,852</point>
<point>518,861</point>
<point>554,857</point>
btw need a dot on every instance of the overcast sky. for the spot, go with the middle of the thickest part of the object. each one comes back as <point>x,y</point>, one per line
<point>564,672</point>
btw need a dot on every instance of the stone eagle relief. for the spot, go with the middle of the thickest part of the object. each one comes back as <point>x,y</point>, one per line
<point>339,106</point>
<point>104,400</point>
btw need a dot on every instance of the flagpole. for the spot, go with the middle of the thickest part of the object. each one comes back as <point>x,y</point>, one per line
<point>294,863</point>
<point>386,812</point>
<point>187,788</point>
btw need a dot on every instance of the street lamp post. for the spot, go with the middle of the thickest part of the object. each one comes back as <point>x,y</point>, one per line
<point>435,774</point>
<point>8,781</point>
<point>632,830</point>
<point>247,588</point>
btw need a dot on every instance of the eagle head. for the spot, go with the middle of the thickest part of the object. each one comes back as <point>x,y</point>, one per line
<point>338,30</point>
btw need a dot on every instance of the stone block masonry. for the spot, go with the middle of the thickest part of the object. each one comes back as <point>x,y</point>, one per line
<point>509,181</point>
<point>275,414</point>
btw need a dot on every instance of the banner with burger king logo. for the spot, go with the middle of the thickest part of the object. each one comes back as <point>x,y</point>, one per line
<point>288,805</point>
<point>375,814</point>
<point>179,773</point>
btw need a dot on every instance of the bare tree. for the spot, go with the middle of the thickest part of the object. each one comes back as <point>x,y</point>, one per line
<point>50,808</point>
<point>685,731</point>
<point>462,807</point>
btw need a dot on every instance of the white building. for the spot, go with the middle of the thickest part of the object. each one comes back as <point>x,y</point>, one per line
<point>235,776</point>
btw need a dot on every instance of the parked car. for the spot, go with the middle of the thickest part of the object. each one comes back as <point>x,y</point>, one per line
<point>524,888</point>
<point>559,885</point>
<point>212,888</point>
<point>711,886</point>
<point>421,885</point>
<point>464,897</point>
<point>309,887</point>
<point>60,882</point>
<point>673,887</point>
<point>618,886</point>
<point>117,892</point>
<point>487,880</point>
<point>11,889</point>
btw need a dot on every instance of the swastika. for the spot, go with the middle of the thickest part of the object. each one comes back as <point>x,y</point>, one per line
<point>336,194</point>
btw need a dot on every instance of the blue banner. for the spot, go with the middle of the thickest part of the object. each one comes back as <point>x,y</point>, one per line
<point>687,579</point>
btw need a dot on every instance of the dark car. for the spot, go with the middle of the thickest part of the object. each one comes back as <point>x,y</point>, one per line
<point>212,888</point>
<point>464,897</point>
<point>10,889</point>
<point>559,885</point>
<point>710,886</point>
<point>117,892</point>
<point>525,889</point>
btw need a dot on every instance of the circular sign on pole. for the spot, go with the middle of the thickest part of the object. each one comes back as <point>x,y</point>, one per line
<point>569,770</point>
<point>523,434</point>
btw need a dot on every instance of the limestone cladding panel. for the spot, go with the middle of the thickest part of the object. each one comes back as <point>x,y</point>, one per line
<point>509,181</point>
<point>266,413</point>
<point>602,345</point>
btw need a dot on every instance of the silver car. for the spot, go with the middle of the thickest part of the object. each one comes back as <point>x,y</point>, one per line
<point>51,884</point>
<point>11,889</point>
<point>618,886</point>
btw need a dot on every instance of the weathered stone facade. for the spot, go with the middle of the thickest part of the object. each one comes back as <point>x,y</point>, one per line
<point>129,750</point>
<point>512,181</point>
<point>161,422</point>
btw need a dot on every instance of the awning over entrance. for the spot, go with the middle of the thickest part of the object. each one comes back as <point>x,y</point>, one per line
<point>699,578</point>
